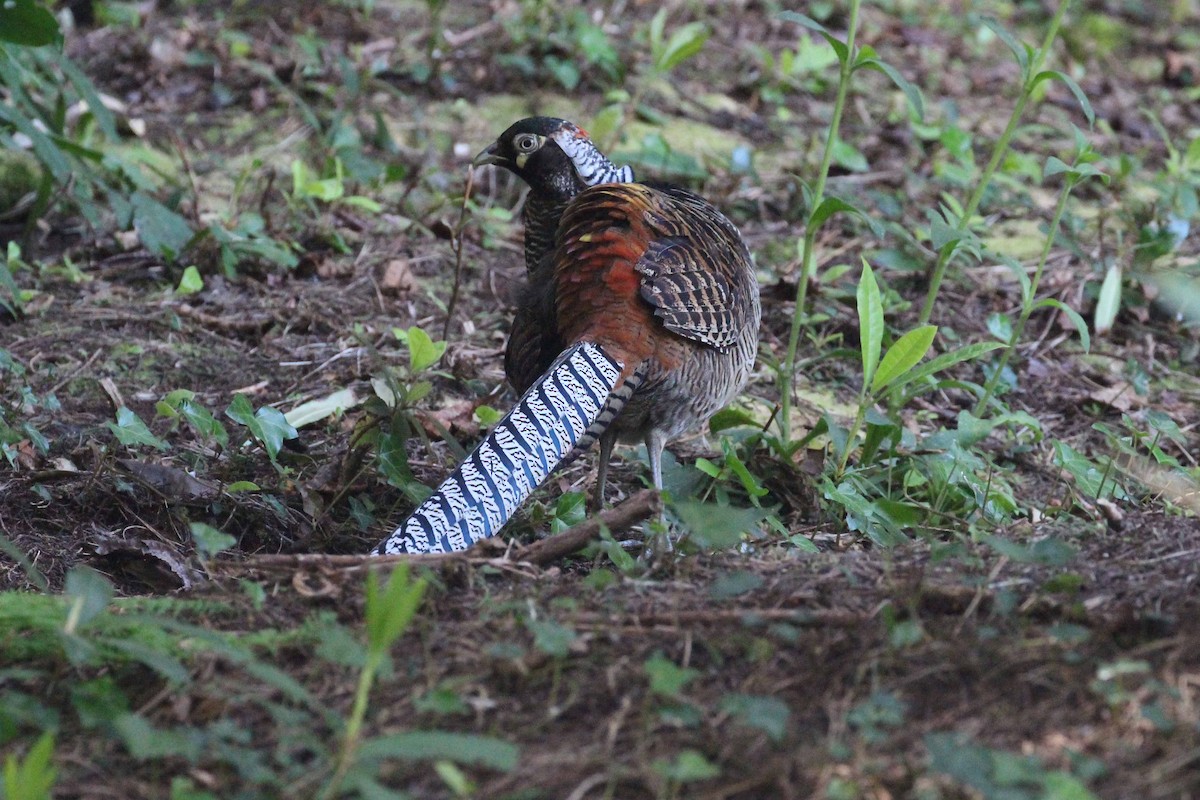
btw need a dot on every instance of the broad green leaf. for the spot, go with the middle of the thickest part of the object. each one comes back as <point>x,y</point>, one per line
<point>88,593</point>
<point>830,206</point>
<point>683,44</point>
<point>423,352</point>
<point>327,406</point>
<point>839,47</point>
<point>272,429</point>
<point>688,766</point>
<point>768,714</point>
<point>1054,166</point>
<point>132,432</point>
<point>850,157</point>
<point>903,355</point>
<point>734,584</point>
<point>461,748</point>
<point>715,527</point>
<point>25,22</point>
<point>550,637</point>
<point>190,282</point>
<point>1090,478</point>
<point>1109,301</point>
<point>210,541</point>
<point>1069,82</point>
<point>161,230</point>
<point>1048,550</point>
<point>203,422</point>
<point>870,322</point>
<point>365,203</point>
<point>935,365</point>
<point>666,677</point>
<point>731,418</point>
<point>267,425</point>
<point>1073,315</point>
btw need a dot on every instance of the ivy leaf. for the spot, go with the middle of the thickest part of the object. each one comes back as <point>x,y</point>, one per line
<point>132,432</point>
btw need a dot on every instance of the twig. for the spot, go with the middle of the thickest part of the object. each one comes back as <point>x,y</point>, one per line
<point>628,513</point>
<point>456,242</point>
<point>633,510</point>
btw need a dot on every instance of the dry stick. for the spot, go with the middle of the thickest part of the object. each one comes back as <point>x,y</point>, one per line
<point>633,510</point>
<point>456,242</point>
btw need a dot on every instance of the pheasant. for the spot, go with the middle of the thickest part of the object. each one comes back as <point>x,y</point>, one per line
<point>639,322</point>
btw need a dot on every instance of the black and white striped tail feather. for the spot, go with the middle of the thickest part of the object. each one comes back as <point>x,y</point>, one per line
<point>550,421</point>
<point>616,402</point>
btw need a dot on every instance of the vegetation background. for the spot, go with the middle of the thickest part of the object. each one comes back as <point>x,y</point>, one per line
<point>944,546</point>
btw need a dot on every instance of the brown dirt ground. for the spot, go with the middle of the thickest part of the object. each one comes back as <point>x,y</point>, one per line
<point>993,655</point>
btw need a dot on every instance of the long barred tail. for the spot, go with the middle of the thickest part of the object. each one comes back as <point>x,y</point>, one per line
<point>542,428</point>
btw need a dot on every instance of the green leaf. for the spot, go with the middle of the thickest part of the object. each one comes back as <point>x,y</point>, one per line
<point>550,637</point>
<point>31,777</point>
<point>210,541</point>
<point>839,47</point>
<point>1048,551</point>
<point>267,425</point>
<point>132,432</point>
<point>26,23</point>
<point>316,410</point>
<point>903,355</point>
<point>190,282</point>
<point>203,422</point>
<point>768,714</point>
<point>1073,315</point>
<point>730,417</point>
<point>1090,479</point>
<point>1109,301</point>
<point>829,206</point>
<point>461,748</point>
<point>423,352</point>
<point>734,584</point>
<point>1054,166</point>
<point>683,44</point>
<point>391,608</point>
<point>935,365</point>
<point>870,322</point>
<point>911,92</point>
<point>1020,52</point>
<point>666,677</point>
<point>99,111</point>
<point>688,766</point>
<point>716,527</point>
<point>242,486</point>
<point>88,593</point>
<point>272,429</point>
<point>161,230</point>
<point>1069,82</point>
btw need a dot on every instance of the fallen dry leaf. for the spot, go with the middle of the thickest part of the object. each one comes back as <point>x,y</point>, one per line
<point>398,277</point>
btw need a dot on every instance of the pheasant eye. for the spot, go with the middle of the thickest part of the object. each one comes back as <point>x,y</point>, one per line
<point>526,143</point>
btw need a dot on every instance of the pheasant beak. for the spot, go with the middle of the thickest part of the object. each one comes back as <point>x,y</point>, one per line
<point>490,156</point>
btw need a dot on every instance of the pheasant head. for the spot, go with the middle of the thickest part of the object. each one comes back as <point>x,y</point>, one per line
<point>555,157</point>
